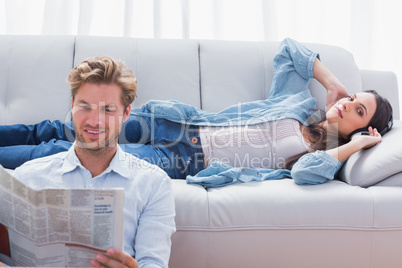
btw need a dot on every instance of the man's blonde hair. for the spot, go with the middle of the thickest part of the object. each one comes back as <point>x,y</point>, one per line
<point>104,70</point>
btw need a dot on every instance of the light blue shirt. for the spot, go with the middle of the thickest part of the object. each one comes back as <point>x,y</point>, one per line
<point>289,97</point>
<point>148,206</point>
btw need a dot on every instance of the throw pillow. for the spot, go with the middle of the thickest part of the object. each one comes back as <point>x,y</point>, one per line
<point>374,165</point>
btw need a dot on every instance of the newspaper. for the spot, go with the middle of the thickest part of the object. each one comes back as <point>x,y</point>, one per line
<point>57,227</point>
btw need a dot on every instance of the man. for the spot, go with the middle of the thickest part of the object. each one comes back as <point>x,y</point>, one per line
<point>102,92</point>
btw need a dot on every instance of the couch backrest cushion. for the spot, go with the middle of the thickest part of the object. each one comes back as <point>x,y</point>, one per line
<point>165,69</point>
<point>33,71</point>
<point>210,74</point>
<point>5,50</point>
<point>233,72</point>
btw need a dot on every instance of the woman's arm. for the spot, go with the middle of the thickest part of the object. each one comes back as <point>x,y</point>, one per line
<point>335,89</point>
<point>315,168</point>
<point>293,68</point>
<point>356,144</point>
<point>294,65</point>
<point>321,166</point>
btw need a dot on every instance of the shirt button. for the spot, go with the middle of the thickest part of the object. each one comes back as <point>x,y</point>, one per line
<point>194,140</point>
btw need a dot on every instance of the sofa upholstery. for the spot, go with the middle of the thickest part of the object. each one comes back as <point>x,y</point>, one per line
<point>256,224</point>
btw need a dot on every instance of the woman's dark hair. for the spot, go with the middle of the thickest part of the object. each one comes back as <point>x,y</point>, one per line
<point>382,118</point>
<point>319,139</point>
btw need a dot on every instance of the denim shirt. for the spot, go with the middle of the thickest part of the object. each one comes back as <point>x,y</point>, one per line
<point>289,97</point>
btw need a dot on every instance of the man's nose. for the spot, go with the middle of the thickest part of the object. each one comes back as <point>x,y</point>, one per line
<point>96,117</point>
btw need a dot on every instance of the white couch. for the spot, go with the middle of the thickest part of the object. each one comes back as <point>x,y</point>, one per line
<point>258,224</point>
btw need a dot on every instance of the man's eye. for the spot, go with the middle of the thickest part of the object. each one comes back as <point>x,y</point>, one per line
<point>110,109</point>
<point>84,106</point>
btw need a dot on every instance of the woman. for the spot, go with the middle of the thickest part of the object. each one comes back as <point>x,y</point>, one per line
<point>279,133</point>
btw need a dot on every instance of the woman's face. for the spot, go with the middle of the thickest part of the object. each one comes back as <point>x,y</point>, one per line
<point>351,113</point>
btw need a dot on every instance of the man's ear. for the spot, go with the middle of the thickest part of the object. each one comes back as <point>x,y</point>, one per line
<point>72,107</point>
<point>126,113</point>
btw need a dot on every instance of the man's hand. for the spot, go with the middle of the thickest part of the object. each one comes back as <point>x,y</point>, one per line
<point>115,258</point>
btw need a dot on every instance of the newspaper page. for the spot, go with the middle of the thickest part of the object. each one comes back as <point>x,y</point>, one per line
<point>57,227</point>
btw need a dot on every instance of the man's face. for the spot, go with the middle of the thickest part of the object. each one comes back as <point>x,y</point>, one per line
<point>98,115</point>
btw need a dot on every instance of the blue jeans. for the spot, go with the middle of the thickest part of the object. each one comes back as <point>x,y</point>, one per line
<point>174,147</point>
<point>20,143</point>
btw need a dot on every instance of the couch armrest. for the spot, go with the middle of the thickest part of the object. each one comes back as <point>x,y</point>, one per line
<point>385,83</point>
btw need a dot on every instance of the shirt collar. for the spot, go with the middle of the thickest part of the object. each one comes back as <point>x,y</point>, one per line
<point>119,164</point>
<point>71,161</point>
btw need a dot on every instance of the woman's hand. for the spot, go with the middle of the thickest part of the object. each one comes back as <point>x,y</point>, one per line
<point>335,89</point>
<point>335,92</point>
<point>356,144</point>
<point>368,141</point>
<point>115,258</point>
